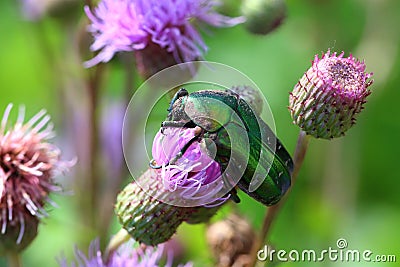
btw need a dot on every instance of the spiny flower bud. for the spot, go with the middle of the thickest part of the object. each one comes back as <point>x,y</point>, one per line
<point>152,207</point>
<point>202,214</point>
<point>147,219</point>
<point>231,240</point>
<point>263,16</point>
<point>28,164</point>
<point>326,100</point>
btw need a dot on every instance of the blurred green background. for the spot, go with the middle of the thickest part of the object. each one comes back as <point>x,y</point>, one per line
<point>348,188</point>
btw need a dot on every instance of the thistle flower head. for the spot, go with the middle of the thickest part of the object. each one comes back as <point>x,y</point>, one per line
<point>147,219</point>
<point>327,99</point>
<point>152,208</point>
<point>125,256</point>
<point>194,175</point>
<point>28,164</point>
<point>129,25</point>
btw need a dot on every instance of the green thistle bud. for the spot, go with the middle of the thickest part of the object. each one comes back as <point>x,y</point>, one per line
<point>202,214</point>
<point>147,219</point>
<point>263,16</point>
<point>326,100</point>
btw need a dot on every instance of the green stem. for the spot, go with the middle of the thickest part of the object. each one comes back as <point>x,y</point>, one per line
<point>299,155</point>
<point>116,241</point>
<point>14,259</point>
<point>94,176</point>
<point>114,184</point>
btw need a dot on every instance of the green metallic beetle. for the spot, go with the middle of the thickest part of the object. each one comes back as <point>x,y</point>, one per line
<point>255,153</point>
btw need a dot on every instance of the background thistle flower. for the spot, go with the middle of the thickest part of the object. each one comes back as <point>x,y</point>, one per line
<point>125,256</point>
<point>28,164</point>
<point>326,100</point>
<point>133,25</point>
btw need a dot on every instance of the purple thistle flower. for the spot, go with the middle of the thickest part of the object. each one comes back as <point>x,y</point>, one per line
<point>28,164</point>
<point>184,189</point>
<point>327,99</point>
<point>195,175</point>
<point>129,25</point>
<point>125,256</point>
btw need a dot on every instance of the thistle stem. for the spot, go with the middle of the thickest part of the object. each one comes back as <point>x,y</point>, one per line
<point>114,185</point>
<point>116,241</point>
<point>299,155</point>
<point>14,259</point>
<point>94,178</point>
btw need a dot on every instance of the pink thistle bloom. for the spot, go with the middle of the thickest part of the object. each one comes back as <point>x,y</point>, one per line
<point>28,164</point>
<point>129,25</point>
<point>329,96</point>
<point>125,256</point>
<point>195,175</point>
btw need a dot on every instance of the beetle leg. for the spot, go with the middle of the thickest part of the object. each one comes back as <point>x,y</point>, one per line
<point>174,124</point>
<point>177,124</point>
<point>234,197</point>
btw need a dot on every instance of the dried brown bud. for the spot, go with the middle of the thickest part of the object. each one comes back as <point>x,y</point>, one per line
<point>231,240</point>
